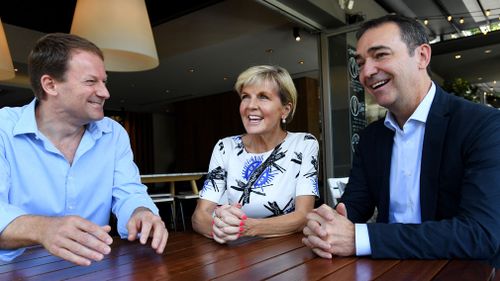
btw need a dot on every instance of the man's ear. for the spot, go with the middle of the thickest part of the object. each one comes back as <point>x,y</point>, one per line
<point>424,53</point>
<point>48,85</point>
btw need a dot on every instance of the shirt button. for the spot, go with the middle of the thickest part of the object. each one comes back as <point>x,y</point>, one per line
<point>71,207</point>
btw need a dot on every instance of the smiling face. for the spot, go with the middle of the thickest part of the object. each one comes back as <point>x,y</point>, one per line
<point>261,108</point>
<point>82,94</point>
<point>388,71</point>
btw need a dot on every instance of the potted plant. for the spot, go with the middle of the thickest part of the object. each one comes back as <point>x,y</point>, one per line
<point>462,88</point>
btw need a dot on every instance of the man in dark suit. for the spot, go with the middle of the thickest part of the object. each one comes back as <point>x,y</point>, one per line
<point>431,167</point>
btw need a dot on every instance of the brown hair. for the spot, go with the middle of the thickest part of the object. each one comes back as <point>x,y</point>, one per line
<point>50,56</point>
<point>412,32</point>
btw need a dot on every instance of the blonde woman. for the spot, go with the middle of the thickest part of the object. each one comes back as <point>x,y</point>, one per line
<point>268,175</point>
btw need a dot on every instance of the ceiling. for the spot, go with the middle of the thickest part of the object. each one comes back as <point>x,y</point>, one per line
<point>436,11</point>
<point>204,45</point>
<point>479,61</point>
<point>56,16</point>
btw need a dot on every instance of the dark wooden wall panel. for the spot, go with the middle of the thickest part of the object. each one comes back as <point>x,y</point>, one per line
<point>201,122</point>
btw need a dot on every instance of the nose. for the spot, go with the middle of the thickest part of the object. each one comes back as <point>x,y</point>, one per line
<point>368,70</point>
<point>103,92</point>
<point>252,102</point>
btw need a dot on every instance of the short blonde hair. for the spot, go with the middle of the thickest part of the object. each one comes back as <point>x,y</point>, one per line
<point>261,73</point>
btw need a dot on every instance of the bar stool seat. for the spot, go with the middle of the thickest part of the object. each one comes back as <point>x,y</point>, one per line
<point>182,197</point>
<point>156,195</point>
<point>172,178</point>
<point>166,197</point>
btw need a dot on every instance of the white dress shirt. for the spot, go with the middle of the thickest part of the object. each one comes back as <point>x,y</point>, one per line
<point>404,180</point>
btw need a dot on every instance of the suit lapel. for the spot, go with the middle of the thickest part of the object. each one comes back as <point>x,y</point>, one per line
<point>435,132</point>
<point>384,152</point>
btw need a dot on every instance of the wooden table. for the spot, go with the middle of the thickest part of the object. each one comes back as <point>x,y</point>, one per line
<point>189,256</point>
<point>172,178</point>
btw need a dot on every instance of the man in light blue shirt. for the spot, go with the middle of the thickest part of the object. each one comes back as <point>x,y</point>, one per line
<point>431,168</point>
<point>64,166</point>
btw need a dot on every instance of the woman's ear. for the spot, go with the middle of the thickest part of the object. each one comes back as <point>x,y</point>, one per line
<point>287,108</point>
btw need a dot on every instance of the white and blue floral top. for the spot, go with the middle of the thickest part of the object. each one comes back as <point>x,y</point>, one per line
<point>288,171</point>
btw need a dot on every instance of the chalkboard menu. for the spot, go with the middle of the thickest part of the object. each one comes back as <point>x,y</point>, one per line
<point>356,99</point>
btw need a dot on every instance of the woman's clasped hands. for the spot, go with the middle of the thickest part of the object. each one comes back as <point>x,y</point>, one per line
<point>228,223</point>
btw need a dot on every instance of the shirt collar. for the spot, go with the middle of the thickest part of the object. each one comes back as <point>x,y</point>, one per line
<point>98,128</point>
<point>27,123</point>
<point>420,113</point>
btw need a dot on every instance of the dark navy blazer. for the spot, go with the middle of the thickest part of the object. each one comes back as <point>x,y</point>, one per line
<point>459,185</point>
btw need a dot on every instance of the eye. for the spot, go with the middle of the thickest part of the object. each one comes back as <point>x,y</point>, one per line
<point>380,55</point>
<point>263,97</point>
<point>243,96</point>
<point>90,81</point>
<point>360,63</point>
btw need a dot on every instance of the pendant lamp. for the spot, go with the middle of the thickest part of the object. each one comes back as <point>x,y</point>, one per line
<point>6,66</point>
<point>121,29</point>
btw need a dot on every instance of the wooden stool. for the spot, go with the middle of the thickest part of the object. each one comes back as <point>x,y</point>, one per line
<point>182,197</point>
<point>166,197</point>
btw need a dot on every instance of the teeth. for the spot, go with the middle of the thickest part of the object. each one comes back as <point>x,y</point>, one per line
<point>378,84</point>
<point>254,117</point>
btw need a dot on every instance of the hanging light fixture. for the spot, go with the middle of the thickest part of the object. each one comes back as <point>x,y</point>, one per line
<point>350,4</point>
<point>6,66</point>
<point>296,34</point>
<point>121,29</point>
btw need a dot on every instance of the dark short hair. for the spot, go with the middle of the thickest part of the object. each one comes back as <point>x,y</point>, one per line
<point>412,32</point>
<point>50,56</point>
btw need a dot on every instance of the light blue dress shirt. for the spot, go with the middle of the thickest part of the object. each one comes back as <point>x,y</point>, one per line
<point>36,179</point>
<point>404,180</point>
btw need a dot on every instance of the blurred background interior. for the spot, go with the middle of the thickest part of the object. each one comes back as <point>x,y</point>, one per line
<point>176,111</point>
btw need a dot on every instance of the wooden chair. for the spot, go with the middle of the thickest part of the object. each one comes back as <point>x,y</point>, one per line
<point>172,179</point>
<point>336,188</point>
<point>181,197</point>
<point>166,197</point>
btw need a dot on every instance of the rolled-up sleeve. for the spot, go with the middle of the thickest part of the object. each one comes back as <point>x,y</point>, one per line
<point>128,191</point>
<point>8,212</point>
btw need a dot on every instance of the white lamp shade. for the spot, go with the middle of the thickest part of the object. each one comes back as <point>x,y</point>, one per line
<point>6,66</point>
<point>121,29</point>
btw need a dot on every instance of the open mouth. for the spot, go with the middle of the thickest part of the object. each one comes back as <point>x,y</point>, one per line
<point>379,84</point>
<point>254,118</point>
